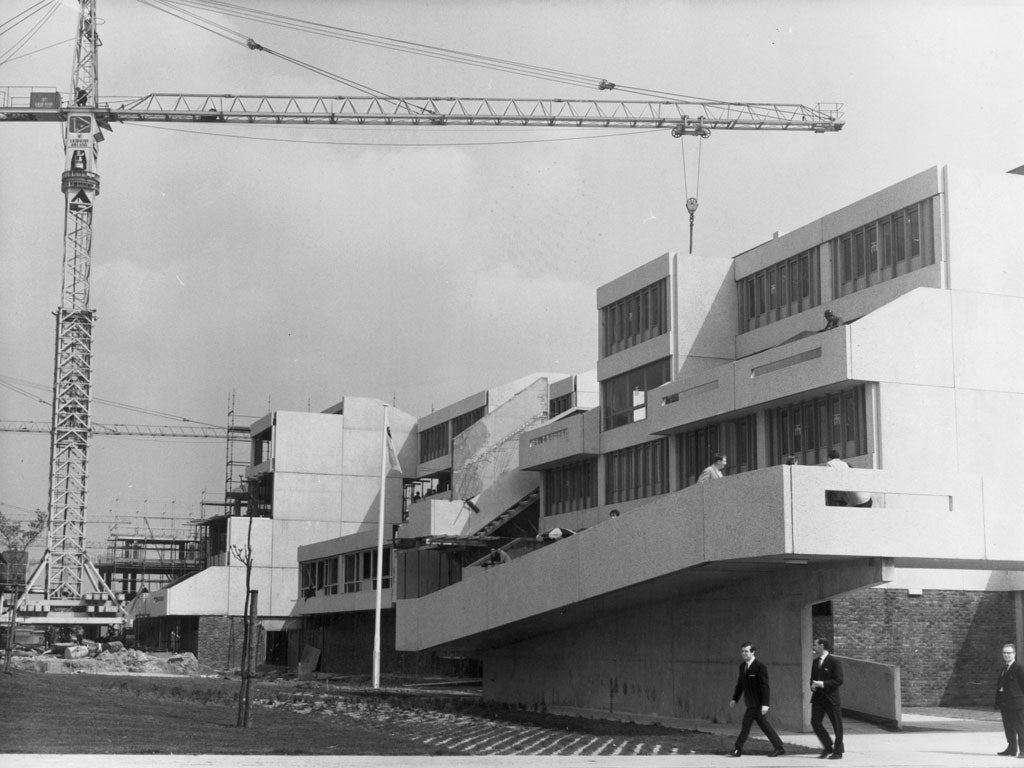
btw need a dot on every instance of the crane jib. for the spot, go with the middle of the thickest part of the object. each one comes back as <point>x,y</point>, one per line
<point>683,117</point>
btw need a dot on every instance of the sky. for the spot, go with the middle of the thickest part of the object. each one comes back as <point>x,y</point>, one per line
<point>295,266</point>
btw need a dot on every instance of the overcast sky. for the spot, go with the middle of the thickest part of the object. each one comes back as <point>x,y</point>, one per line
<point>297,266</point>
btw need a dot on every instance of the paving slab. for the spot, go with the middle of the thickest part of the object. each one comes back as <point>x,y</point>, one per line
<point>926,741</point>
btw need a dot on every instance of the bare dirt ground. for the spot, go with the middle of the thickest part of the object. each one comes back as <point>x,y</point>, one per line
<point>196,715</point>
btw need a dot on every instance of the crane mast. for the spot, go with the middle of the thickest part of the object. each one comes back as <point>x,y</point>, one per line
<point>73,587</point>
<point>68,574</point>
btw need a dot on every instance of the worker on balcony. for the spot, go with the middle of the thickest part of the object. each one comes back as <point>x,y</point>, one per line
<point>714,470</point>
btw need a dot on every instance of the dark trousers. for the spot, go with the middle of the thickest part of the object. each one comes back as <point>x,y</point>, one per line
<point>1013,726</point>
<point>835,716</point>
<point>753,715</point>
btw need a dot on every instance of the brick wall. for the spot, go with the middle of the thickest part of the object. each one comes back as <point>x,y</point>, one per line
<point>946,642</point>
<point>219,642</point>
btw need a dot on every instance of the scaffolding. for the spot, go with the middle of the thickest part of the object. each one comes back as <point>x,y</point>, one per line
<point>143,559</point>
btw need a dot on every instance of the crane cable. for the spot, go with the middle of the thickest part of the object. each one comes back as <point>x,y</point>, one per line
<point>691,202</point>
<point>51,9</point>
<point>389,43</point>
<point>13,385</point>
<point>233,36</point>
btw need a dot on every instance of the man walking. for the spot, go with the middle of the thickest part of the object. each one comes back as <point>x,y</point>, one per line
<point>1010,701</point>
<point>826,677</point>
<point>753,685</point>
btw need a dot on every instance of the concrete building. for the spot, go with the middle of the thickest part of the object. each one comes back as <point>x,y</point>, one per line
<point>464,494</point>
<point>312,476</point>
<point>641,613</point>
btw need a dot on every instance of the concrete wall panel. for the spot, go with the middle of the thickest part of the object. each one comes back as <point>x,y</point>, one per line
<point>882,350</point>
<point>979,337</point>
<point>917,427</point>
<point>301,496</point>
<point>985,231</point>
<point>308,442</point>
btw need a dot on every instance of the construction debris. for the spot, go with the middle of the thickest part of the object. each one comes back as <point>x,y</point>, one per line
<point>105,659</point>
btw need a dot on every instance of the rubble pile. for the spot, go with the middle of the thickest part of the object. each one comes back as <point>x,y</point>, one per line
<point>104,659</point>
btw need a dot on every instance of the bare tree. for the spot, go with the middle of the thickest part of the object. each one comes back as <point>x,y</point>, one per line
<point>244,556</point>
<point>17,537</point>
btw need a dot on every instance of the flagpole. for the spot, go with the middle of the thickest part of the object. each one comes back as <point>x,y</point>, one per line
<point>380,551</point>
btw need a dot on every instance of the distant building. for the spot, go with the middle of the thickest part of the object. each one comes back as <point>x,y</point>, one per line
<point>641,614</point>
<point>466,462</point>
<point>313,476</point>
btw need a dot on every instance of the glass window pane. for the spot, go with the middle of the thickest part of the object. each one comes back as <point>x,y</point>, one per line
<point>899,237</point>
<point>858,254</point>
<point>873,248</point>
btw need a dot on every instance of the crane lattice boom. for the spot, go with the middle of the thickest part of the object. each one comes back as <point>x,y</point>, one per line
<point>132,430</point>
<point>684,117</point>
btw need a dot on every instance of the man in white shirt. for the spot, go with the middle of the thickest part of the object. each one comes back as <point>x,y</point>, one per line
<point>847,498</point>
<point>714,470</point>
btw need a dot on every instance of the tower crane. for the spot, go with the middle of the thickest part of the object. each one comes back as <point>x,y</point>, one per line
<point>70,582</point>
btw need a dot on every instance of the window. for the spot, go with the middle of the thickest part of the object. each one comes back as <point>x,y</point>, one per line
<point>637,472</point>
<point>624,397</point>
<point>465,421</point>
<point>569,488</point>
<point>361,569</point>
<point>810,428</point>
<point>262,447</point>
<point>320,577</point>
<point>904,238</point>
<point>636,318</point>
<point>561,404</point>
<point>434,442</point>
<point>736,439</point>
<point>781,290</point>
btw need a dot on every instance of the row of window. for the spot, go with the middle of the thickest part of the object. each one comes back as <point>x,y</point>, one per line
<point>624,397</point>
<point>637,472</point>
<point>806,430</point>
<point>321,576</point>
<point>569,488</point>
<point>635,318</point>
<point>436,441</point>
<point>812,427</point>
<point>783,289</point>
<point>889,247</point>
<point>561,404</point>
<point>736,439</point>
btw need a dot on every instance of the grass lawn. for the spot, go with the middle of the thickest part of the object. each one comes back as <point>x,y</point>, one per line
<point>89,714</point>
<point>136,714</point>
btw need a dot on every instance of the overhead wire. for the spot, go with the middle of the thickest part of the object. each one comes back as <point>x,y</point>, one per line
<point>51,9</point>
<point>10,383</point>
<point>14,21</point>
<point>391,43</point>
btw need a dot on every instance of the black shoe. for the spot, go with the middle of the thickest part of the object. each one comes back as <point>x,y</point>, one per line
<point>824,753</point>
<point>735,753</point>
<point>777,753</point>
<point>1007,753</point>
<point>836,756</point>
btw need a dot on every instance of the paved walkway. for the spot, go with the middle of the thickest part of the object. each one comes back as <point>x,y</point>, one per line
<point>927,741</point>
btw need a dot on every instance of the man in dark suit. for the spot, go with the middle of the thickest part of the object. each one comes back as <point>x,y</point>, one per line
<point>753,685</point>
<point>826,677</point>
<point>1010,701</point>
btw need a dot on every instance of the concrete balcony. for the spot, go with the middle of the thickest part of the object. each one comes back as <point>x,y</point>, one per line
<point>762,522</point>
<point>562,441</point>
<point>365,599</point>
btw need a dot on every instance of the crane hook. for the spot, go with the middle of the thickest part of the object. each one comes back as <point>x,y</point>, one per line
<point>691,206</point>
